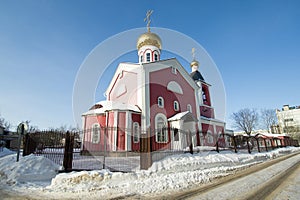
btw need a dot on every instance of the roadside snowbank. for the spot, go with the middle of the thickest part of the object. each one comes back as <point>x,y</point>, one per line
<point>38,175</point>
<point>29,169</point>
<point>4,152</point>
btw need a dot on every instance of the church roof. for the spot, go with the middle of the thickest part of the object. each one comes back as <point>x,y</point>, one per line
<point>197,76</point>
<point>103,106</point>
<point>185,116</point>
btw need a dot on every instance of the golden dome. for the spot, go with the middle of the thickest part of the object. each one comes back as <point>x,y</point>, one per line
<point>194,63</point>
<point>148,39</point>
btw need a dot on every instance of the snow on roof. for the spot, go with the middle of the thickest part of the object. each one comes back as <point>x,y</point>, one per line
<point>261,134</point>
<point>271,134</point>
<point>183,115</point>
<point>111,105</point>
<point>212,119</point>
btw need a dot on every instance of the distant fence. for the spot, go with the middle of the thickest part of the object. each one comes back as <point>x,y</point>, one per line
<point>104,147</point>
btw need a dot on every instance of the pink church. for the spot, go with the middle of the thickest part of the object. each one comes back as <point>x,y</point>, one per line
<point>157,95</point>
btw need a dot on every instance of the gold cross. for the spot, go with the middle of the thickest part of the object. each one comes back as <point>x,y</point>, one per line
<point>148,14</point>
<point>193,53</point>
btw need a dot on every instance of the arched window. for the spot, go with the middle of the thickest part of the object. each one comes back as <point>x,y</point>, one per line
<point>176,105</point>
<point>160,102</point>
<point>161,128</point>
<point>155,57</point>
<point>189,108</point>
<point>148,57</point>
<point>141,58</point>
<point>95,133</point>
<point>136,132</point>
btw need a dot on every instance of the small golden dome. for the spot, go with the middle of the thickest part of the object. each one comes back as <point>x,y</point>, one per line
<point>194,63</point>
<point>148,39</point>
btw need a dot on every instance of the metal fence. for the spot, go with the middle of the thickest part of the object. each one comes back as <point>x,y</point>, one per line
<point>95,148</point>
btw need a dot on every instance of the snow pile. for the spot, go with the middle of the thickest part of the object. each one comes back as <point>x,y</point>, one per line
<point>29,169</point>
<point>4,152</point>
<point>173,173</point>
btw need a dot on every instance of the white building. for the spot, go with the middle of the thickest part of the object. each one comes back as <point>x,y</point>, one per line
<point>289,119</point>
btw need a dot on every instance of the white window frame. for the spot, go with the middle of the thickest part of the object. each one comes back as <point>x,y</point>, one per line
<point>160,102</point>
<point>95,136</point>
<point>189,108</point>
<point>136,130</point>
<point>161,128</point>
<point>176,105</point>
<point>210,138</point>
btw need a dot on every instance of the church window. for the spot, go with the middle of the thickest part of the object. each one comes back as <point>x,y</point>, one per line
<point>161,128</point>
<point>204,96</point>
<point>155,57</point>
<point>160,102</point>
<point>148,57</point>
<point>176,105</point>
<point>176,134</point>
<point>95,133</point>
<point>189,108</point>
<point>141,59</point>
<point>136,132</point>
<point>174,70</point>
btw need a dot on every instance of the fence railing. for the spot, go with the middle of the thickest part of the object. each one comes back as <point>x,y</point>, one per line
<point>128,150</point>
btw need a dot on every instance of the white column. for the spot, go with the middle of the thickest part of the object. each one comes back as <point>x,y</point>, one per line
<point>115,130</point>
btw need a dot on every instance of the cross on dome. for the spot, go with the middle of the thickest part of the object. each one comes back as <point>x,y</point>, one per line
<point>147,18</point>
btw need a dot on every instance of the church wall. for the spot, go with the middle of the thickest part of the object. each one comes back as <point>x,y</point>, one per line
<point>110,131</point>
<point>158,87</point>
<point>88,145</point>
<point>158,82</point>
<point>207,131</point>
<point>221,138</point>
<point>121,131</point>
<point>125,88</point>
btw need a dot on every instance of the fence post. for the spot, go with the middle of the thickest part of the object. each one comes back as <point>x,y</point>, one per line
<point>265,142</point>
<point>257,141</point>
<point>191,142</point>
<point>249,150</point>
<point>26,145</point>
<point>272,143</point>
<point>217,146</point>
<point>234,143</point>
<point>145,150</point>
<point>68,154</point>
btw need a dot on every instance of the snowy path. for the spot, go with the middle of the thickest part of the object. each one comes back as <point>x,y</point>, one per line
<point>258,185</point>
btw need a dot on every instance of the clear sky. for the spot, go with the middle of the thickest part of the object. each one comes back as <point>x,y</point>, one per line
<point>255,44</point>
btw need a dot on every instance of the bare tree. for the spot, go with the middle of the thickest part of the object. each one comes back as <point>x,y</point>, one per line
<point>245,119</point>
<point>269,118</point>
<point>31,128</point>
<point>5,123</point>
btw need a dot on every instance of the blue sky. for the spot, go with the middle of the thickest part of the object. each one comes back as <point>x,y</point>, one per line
<point>255,44</point>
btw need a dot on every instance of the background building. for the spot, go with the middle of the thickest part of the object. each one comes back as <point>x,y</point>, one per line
<point>289,120</point>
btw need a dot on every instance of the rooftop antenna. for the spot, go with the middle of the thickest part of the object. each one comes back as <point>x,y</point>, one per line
<point>147,19</point>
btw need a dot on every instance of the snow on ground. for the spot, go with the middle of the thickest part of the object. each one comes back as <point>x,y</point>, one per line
<point>5,151</point>
<point>39,176</point>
